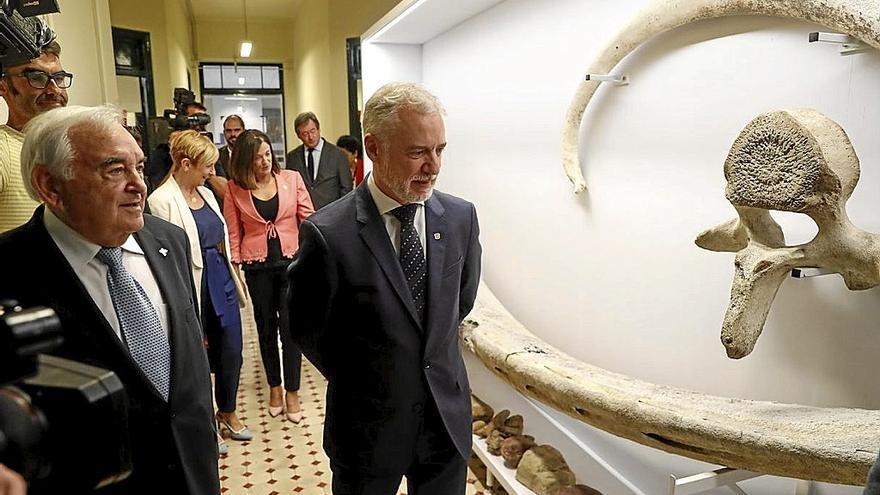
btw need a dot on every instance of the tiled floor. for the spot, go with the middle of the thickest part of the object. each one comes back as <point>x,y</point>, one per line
<point>283,458</point>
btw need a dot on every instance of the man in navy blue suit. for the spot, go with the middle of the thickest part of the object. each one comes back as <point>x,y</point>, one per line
<point>382,280</point>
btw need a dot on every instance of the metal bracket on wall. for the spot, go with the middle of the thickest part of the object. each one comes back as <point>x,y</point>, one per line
<point>616,80</point>
<point>848,44</point>
<point>698,483</point>
<point>724,478</point>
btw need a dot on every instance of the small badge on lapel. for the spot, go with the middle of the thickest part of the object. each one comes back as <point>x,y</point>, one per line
<point>163,251</point>
<point>436,236</point>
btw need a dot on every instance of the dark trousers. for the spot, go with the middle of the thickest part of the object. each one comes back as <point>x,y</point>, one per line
<point>437,468</point>
<point>224,354</point>
<point>268,290</point>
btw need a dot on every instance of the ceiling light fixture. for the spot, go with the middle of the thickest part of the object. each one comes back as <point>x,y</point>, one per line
<point>244,49</point>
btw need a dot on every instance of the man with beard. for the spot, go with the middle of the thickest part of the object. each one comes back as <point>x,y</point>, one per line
<point>382,280</point>
<point>29,89</point>
<point>233,126</point>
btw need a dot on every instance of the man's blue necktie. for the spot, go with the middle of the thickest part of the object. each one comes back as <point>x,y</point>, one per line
<point>140,327</point>
<point>412,257</point>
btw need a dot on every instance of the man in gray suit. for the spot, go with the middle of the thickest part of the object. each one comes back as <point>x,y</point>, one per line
<point>121,284</point>
<point>382,280</point>
<point>322,165</point>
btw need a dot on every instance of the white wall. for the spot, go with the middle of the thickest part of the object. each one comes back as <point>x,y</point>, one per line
<point>613,276</point>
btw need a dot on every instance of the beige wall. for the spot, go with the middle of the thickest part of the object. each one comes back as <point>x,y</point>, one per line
<point>168,23</point>
<point>311,71</point>
<point>350,18</point>
<point>218,41</point>
<point>320,66</point>
<point>311,49</point>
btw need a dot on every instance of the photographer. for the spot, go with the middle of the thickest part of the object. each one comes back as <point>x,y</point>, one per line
<point>29,89</point>
<point>189,114</point>
<point>11,483</point>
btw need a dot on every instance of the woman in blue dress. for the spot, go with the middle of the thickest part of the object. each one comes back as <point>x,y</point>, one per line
<point>183,200</point>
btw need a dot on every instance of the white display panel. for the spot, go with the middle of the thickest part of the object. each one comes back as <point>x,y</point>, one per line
<point>612,276</point>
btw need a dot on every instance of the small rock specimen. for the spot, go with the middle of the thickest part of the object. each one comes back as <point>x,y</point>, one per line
<point>543,470</point>
<point>513,448</point>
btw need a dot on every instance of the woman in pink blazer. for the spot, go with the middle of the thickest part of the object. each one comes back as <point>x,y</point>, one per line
<point>264,206</point>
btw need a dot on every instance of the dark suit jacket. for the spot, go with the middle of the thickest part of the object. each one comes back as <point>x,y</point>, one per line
<point>353,315</point>
<point>334,177</point>
<point>222,166</point>
<point>873,484</point>
<point>174,449</point>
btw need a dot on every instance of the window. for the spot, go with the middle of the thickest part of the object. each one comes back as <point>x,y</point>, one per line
<point>241,76</point>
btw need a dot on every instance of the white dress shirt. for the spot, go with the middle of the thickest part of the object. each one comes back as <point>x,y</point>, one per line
<point>316,155</point>
<point>385,204</point>
<point>80,253</point>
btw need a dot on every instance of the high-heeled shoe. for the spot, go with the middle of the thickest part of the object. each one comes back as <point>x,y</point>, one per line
<point>275,410</point>
<point>222,448</point>
<point>242,434</point>
<point>295,417</point>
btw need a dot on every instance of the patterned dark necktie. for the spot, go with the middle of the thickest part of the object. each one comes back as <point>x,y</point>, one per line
<point>412,258</point>
<point>139,323</point>
<point>311,164</point>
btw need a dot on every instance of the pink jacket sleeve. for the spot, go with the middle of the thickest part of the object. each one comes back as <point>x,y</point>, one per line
<point>304,206</point>
<point>233,223</point>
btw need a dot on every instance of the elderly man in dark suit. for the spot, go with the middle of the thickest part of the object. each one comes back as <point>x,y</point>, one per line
<point>323,166</point>
<point>382,280</point>
<point>120,282</point>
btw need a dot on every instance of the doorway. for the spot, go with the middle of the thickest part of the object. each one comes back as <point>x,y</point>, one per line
<point>251,91</point>
<point>134,78</point>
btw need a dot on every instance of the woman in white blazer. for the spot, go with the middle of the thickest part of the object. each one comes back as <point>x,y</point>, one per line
<point>183,200</point>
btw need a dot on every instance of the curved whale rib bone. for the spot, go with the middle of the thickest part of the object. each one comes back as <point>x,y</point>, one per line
<point>834,445</point>
<point>858,18</point>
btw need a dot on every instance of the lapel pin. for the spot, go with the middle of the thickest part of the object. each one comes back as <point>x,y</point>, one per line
<point>436,236</point>
<point>163,251</point>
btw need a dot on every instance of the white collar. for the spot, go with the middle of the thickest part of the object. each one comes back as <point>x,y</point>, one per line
<point>74,246</point>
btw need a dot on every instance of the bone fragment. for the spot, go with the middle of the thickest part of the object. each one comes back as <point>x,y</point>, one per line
<point>858,18</point>
<point>797,161</point>
<point>835,445</point>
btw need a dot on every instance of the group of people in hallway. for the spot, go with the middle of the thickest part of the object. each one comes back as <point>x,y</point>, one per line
<point>369,283</point>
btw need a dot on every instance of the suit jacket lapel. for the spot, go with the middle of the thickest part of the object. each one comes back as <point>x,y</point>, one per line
<point>323,165</point>
<point>188,221</point>
<point>376,238</point>
<point>435,242</point>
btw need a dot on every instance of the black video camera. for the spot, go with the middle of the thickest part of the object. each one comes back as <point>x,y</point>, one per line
<point>63,424</point>
<point>178,119</point>
<point>22,36</point>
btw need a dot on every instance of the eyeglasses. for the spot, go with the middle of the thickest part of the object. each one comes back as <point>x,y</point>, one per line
<point>38,79</point>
